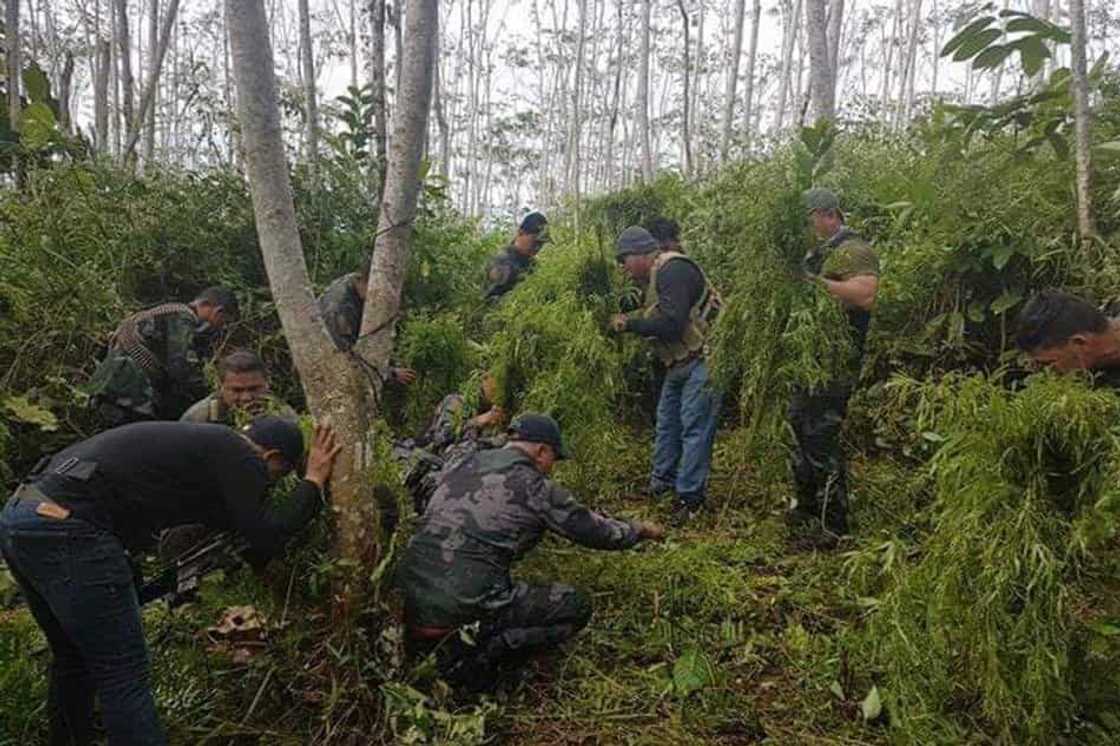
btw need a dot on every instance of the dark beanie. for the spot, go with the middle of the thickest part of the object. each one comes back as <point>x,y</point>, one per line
<point>636,240</point>
<point>274,433</point>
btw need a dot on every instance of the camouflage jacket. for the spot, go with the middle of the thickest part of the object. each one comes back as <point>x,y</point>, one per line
<point>341,308</point>
<point>486,514</point>
<point>155,363</point>
<point>842,257</point>
<point>212,410</point>
<point>505,271</point>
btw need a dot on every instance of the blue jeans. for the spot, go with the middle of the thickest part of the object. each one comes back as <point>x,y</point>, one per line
<point>687,413</point>
<point>79,587</point>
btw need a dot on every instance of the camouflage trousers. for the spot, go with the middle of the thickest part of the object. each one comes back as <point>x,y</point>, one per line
<point>820,472</point>
<point>538,618</point>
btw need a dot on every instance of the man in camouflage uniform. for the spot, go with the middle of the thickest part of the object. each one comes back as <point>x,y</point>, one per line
<point>341,306</point>
<point>1063,332</point>
<point>153,370</point>
<point>488,512</point>
<point>680,306</point>
<point>508,268</point>
<point>243,393</point>
<point>847,267</point>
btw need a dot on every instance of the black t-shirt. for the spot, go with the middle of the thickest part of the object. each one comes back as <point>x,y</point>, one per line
<point>138,479</point>
<point>680,286</point>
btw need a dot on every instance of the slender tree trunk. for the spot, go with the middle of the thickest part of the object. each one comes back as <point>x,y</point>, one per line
<point>441,122</point>
<point>835,32</point>
<point>643,92</point>
<point>686,135</point>
<point>732,78</point>
<point>377,81</point>
<point>153,55</point>
<point>912,61</point>
<point>576,128</point>
<point>789,37</point>
<point>65,93</point>
<point>1082,121</point>
<point>311,102</point>
<point>402,184</point>
<point>13,40</point>
<point>101,96</point>
<point>135,122</point>
<point>335,390</point>
<point>820,78</point>
<point>752,57</point>
<point>124,58</point>
<point>353,43</point>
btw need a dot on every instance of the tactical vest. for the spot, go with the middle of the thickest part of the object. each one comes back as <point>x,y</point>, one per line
<point>700,317</point>
<point>128,339</point>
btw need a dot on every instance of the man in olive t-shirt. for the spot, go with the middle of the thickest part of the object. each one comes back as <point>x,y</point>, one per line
<point>848,269</point>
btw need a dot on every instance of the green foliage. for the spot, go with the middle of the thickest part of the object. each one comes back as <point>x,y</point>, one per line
<point>438,346</point>
<point>980,630</point>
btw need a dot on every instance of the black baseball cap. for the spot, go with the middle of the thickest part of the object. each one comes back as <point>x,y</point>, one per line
<point>538,428</point>
<point>277,434</point>
<point>534,223</point>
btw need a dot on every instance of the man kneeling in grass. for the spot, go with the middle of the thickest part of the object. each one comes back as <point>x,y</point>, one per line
<point>488,512</point>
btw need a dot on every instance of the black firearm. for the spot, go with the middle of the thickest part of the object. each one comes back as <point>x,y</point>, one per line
<point>179,580</point>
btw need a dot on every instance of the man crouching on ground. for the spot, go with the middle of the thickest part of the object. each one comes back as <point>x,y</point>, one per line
<point>487,513</point>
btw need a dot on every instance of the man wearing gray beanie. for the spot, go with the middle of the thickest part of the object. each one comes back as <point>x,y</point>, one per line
<point>679,309</point>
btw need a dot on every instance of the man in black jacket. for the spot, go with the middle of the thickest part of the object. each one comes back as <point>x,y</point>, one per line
<point>66,529</point>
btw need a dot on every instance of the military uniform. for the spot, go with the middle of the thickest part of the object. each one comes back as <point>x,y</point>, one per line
<point>505,271</point>
<point>341,308</point>
<point>817,417</point>
<point>487,513</point>
<point>212,410</point>
<point>153,369</point>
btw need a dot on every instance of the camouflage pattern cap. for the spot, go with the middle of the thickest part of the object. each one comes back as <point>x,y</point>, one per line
<point>538,428</point>
<point>820,199</point>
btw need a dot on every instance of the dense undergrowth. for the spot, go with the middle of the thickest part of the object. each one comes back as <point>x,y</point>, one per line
<point>976,603</point>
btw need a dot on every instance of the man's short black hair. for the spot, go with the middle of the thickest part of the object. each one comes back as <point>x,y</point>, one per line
<point>240,361</point>
<point>664,230</point>
<point>1050,318</point>
<point>221,296</point>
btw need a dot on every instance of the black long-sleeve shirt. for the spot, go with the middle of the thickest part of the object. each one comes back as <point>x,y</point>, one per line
<point>153,475</point>
<point>680,286</point>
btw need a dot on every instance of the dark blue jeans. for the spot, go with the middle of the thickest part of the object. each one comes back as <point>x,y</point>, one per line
<point>687,414</point>
<point>79,587</point>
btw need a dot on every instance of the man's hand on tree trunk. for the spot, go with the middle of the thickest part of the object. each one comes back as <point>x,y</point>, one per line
<point>320,461</point>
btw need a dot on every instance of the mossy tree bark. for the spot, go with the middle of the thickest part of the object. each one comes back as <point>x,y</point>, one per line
<point>335,387</point>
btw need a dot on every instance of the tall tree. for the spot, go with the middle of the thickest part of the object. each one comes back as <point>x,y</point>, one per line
<point>643,92</point>
<point>752,56</point>
<point>103,69</point>
<point>686,134</point>
<point>13,42</point>
<point>135,122</point>
<point>124,60</point>
<point>377,89</point>
<point>821,78</point>
<point>332,381</point>
<point>402,183</point>
<point>307,53</point>
<point>153,54</point>
<point>1082,122</point>
<point>735,53</point>
<point>785,77</point>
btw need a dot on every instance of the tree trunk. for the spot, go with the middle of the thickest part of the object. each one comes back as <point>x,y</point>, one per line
<point>124,58</point>
<point>307,52</point>
<point>686,135</point>
<point>643,92</point>
<point>576,129</point>
<point>135,123</point>
<point>1082,123</point>
<point>333,385</point>
<point>789,37</point>
<point>732,79</point>
<point>101,96</point>
<point>377,82</point>
<point>65,93</point>
<point>752,57</point>
<point>153,55</point>
<point>441,123</point>
<point>820,79</point>
<point>15,75</point>
<point>835,32</point>
<point>402,184</point>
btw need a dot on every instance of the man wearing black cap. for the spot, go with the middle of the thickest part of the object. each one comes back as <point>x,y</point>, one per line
<point>680,306</point>
<point>487,513</point>
<point>847,268</point>
<point>507,268</point>
<point>65,531</point>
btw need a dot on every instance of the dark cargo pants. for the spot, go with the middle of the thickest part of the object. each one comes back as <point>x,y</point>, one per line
<point>820,472</point>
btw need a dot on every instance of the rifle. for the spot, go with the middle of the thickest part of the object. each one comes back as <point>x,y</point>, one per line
<point>178,582</point>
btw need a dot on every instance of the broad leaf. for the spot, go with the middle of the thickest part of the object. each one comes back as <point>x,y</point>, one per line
<point>978,25</point>
<point>872,705</point>
<point>1032,53</point>
<point>992,56</point>
<point>1029,23</point>
<point>976,43</point>
<point>1059,144</point>
<point>691,672</point>
<point>19,408</point>
<point>1004,302</point>
<point>1001,255</point>
<point>1109,148</point>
